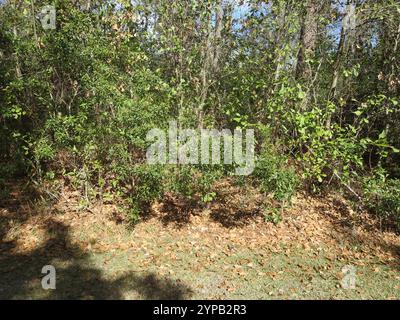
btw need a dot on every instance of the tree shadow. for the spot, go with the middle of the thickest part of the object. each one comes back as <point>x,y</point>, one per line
<point>230,209</point>
<point>178,211</point>
<point>237,207</point>
<point>76,277</point>
<point>233,218</point>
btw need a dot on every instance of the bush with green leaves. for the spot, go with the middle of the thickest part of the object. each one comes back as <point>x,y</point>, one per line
<point>275,176</point>
<point>77,102</point>
<point>147,187</point>
<point>382,197</point>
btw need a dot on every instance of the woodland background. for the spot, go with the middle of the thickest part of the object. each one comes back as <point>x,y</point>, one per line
<point>318,81</point>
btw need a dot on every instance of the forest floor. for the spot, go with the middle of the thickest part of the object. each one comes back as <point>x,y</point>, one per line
<point>174,255</point>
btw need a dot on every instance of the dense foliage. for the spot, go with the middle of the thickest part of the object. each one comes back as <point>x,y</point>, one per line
<point>317,80</point>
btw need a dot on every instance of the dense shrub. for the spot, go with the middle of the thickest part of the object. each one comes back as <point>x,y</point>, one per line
<point>77,102</point>
<point>382,197</point>
<point>275,176</point>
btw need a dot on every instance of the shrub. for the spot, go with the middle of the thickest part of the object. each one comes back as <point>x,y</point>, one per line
<point>275,177</point>
<point>382,197</point>
<point>147,188</point>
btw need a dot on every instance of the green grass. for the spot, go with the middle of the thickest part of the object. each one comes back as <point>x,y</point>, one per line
<point>134,274</point>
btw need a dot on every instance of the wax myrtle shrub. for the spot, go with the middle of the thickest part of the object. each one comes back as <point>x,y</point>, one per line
<point>195,183</point>
<point>274,176</point>
<point>192,185</point>
<point>273,172</point>
<point>119,100</point>
<point>148,187</point>
<point>77,102</point>
<point>382,197</point>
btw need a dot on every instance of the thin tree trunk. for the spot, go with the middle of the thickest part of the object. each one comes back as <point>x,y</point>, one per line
<point>346,37</point>
<point>278,42</point>
<point>212,55</point>
<point>308,40</point>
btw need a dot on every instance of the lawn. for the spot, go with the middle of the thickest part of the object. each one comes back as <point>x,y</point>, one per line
<point>98,257</point>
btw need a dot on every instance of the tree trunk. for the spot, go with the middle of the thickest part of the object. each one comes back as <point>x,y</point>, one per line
<point>346,37</point>
<point>308,40</point>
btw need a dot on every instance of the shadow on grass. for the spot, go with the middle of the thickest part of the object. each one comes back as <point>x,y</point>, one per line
<point>231,210</point>
<point>76,278</point>
<point>178,211</point>
<point>347,223</point>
